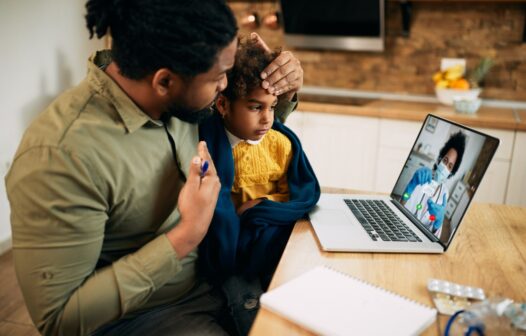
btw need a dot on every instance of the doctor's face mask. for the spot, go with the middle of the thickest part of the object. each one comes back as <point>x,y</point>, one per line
<point>446,165</point>
<point>441,173</point>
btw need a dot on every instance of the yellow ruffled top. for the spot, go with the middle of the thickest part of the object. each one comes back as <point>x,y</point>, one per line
<point>261,169</point>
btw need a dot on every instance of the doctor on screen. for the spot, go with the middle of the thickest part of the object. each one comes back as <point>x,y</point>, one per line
<point>426,194</point>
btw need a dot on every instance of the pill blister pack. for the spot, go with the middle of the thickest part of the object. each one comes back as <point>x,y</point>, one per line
<point>450,297</point>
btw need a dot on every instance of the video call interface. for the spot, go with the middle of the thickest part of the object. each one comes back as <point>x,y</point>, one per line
<point>439,179</point>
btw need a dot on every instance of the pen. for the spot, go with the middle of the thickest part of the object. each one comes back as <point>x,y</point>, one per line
<point>204,168</point>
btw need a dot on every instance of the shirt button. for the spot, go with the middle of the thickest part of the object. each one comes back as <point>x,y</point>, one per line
<point>47,275</point>
<point>250,304</point>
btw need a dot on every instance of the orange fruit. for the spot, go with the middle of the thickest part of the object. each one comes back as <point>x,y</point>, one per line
<point>460,84</point>
<point>442,84</point>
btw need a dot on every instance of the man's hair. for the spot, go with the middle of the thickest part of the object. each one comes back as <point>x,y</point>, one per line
<point>245,76</point>
<point>458,142</point>
<point>184,36</point>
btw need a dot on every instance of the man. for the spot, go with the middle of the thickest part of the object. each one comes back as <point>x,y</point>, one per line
<point>105,228</point>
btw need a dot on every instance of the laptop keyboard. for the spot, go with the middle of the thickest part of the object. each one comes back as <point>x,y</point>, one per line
<point>379,221</point>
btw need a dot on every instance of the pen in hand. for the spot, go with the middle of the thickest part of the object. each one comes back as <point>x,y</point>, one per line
<point>204,168</point>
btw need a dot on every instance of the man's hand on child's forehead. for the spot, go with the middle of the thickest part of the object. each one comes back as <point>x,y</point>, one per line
<point>283,75</point>
<point>259,41</point>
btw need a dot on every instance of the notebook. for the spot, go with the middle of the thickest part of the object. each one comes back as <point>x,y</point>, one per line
<point>434,189</point>
<point>328,302</point>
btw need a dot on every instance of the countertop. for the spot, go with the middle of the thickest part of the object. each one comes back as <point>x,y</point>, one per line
<point>522,120</point>
<point>488,117</point>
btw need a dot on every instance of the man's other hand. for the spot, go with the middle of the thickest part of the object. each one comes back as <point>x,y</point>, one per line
<point>197,201</point>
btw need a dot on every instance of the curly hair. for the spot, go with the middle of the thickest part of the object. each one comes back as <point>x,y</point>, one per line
<point>184,36</point>
<point>457,142</point>
<point>244,76</point>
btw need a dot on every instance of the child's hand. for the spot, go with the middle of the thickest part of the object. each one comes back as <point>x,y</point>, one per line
<point>284,76</point>
<point>247,205</point>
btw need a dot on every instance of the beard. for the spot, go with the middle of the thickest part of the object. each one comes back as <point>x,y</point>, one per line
<point>189,115</point>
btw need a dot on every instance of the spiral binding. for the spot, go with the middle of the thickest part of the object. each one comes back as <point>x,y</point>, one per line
<point>376,286</point>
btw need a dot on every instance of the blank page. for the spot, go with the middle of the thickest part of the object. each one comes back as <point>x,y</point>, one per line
<point>328,302</point>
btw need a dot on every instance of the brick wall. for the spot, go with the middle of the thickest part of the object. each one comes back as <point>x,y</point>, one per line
<point>438,29</point>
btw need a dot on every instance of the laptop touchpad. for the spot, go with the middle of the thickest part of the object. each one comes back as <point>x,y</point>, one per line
<point>330,218</point>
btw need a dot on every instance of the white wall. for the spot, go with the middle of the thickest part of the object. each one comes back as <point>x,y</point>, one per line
<point>44,47</point>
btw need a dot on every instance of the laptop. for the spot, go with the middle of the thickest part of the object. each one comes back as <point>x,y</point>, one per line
<point>434,189</point>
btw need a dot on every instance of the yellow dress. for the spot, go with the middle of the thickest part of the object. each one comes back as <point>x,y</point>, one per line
<point>261,169</point>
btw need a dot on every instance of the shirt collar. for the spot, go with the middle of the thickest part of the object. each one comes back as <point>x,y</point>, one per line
<point>234,140</point>
<point>132,116</point>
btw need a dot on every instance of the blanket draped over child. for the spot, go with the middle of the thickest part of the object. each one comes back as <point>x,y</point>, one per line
<point>251,244</point>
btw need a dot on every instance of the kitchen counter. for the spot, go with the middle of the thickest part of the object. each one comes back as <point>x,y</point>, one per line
<point>521,114</point>
<point>486,116</point>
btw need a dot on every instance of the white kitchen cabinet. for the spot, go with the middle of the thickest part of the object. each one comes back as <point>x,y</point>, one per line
<point>516,194</point>
<point>396,140</point>
<point>492,189</point>
<point>342,149</point>
<point>368,153</point>
<point>390,163</point>
<point>295,123</point>
<point>507,139</point>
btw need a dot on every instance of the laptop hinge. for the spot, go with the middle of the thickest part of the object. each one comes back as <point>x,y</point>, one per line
<point>419,225</point>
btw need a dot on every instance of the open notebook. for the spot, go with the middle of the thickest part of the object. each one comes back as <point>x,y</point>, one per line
<point>328,302</point>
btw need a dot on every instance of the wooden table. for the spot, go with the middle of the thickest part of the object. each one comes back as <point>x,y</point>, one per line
<point>488,251</point>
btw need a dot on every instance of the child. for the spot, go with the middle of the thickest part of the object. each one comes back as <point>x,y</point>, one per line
<point>267,184</point>
<point>261,154</point>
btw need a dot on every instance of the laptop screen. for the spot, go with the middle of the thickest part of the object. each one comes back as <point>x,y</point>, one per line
<point>442,173</point>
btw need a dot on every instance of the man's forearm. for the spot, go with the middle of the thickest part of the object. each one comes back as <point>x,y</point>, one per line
<point>58,307</point>
<point>285,107</point>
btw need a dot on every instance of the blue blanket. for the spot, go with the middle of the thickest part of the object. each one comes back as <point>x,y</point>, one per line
<point>252,244</point>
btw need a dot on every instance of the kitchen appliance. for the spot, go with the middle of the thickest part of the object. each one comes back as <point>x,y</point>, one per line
<point>334,24</point>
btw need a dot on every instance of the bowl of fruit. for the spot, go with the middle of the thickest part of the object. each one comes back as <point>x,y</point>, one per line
<point>453,83</point>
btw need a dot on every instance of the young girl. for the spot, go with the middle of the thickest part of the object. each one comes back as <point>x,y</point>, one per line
<point>267,184</point>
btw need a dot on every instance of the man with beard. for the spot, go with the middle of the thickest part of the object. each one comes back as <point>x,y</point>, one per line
<point>107,191</point>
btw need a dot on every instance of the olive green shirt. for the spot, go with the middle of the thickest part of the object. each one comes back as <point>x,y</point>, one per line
<point>93,188</point>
